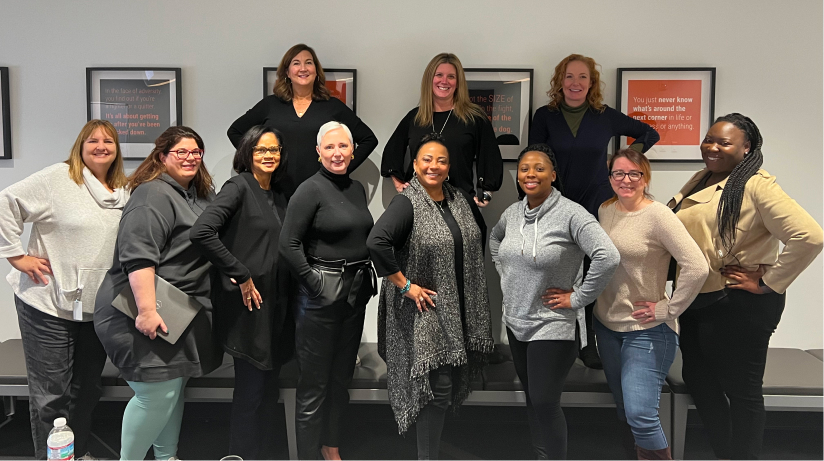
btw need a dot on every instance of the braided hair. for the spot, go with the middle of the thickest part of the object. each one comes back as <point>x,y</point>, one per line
<point>729,207</point>
<point>546,150</point>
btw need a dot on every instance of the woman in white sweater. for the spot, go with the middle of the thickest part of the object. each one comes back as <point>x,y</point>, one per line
<point>635,322</point>
<point>74,208</point>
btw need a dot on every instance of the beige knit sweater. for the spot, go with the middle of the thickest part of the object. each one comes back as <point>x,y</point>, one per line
<point>646,239</point>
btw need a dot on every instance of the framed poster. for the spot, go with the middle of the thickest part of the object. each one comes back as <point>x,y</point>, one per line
<point>5,115</point>
<point>140,102</point>
<point>340,82</point>
<point>506,97</point>
<point>679,102</point>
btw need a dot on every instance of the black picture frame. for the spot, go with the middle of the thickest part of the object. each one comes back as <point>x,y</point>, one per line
<point>678,79</point>
<point>5,115</point>
<point>337,75</point>
<point>511,140</point>
<point>136,144</point>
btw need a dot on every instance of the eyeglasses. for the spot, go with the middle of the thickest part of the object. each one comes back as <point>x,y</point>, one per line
<point>634,176</point>
<point>260,151</point>
<point>183,154</point>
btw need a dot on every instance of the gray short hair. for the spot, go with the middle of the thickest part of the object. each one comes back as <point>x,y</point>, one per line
<point>333,125</point>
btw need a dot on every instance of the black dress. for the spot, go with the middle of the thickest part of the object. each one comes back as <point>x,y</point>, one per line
<point>300,133</point>
<point>239,235</point>
<point>154,232</point>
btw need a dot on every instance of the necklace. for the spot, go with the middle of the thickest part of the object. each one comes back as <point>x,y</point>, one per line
<point>300,113</point>
<point>440,205</point>
<point>444,123</point>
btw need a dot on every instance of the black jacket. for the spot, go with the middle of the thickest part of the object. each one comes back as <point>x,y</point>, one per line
<point>239,235</point>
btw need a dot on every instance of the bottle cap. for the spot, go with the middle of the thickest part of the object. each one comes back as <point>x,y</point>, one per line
<point>59,422</point>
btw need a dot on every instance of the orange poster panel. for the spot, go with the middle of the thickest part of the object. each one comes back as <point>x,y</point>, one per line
<point>337,88</point>
<point>672,107</point>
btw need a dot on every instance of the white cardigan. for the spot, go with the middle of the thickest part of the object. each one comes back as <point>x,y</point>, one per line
<point>74,226</point>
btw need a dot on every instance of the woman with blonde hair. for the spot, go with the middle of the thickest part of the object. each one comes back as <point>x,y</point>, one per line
<point>444,108</point>
<point>301,103</point>
<point>578,127</point>
<point>170,189</point>
<point>74,208</point>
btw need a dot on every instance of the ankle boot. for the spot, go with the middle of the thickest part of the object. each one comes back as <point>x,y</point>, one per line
<point>663,453</point>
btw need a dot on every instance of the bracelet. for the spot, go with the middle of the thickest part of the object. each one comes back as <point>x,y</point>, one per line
<point>406,287</point>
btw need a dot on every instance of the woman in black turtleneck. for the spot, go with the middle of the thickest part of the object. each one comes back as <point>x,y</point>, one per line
<point>324,242</point>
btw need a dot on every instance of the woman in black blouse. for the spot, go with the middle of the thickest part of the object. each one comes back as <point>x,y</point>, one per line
<point>299,106</point>
<point>324,243</point>
<point>445,108</point>
<point>433,318</point>
<point>239,235</point>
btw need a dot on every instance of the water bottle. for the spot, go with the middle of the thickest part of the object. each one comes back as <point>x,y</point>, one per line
<point>61,441</point>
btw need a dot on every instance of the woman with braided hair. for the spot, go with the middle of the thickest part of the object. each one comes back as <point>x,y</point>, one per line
<point>737,214</point>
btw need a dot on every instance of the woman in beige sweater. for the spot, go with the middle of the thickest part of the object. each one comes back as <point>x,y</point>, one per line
<point>635,321</point>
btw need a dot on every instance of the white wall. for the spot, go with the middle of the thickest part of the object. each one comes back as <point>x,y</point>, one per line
<point>768,55</point>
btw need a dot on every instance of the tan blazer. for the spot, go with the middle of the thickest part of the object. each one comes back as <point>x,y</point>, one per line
<point>768,215</point>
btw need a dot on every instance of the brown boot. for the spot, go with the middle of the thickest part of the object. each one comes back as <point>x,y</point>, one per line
<point>643,453</point>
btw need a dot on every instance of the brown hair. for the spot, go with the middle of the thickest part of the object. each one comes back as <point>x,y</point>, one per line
<point>115,177</point>
<point>464,109</point>
<point>641,161</point>
<point>283,84</point>
<point>595,96</point>
<point>152,167</point>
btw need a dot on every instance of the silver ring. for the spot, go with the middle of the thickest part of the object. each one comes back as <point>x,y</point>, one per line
<point>420,299</point>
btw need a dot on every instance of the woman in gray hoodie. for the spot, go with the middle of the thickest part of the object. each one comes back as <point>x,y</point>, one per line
<point>538,247</point>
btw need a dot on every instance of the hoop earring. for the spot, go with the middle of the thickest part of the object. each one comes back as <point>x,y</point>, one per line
<point>447,177</point>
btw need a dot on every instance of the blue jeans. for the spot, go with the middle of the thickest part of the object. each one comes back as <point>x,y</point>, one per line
<point>636,364</point>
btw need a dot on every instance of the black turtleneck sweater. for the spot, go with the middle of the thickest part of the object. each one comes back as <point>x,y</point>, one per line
<point>327,218</point>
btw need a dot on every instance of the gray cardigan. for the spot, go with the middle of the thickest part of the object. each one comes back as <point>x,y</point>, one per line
<point>529,263</point>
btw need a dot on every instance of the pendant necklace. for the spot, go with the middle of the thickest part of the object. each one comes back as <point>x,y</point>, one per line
<point>444,123</point>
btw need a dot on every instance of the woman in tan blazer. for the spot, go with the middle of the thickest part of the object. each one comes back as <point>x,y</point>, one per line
<point>737,214</point>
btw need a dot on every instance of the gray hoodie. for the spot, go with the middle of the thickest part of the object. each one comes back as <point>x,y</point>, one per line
<point>530,262</point>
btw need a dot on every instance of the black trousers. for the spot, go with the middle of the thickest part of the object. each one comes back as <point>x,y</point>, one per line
<point>542,367</point>
<point>327,338</point>
<point>64,360</point>
<point>429,424</point>
<point>254,411</point>
<point>724,347</point>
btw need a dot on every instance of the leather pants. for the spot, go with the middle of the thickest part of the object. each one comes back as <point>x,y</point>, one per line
<point>327,338</point>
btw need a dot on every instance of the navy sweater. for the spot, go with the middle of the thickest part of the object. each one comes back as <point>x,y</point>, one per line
<point>582,159</point>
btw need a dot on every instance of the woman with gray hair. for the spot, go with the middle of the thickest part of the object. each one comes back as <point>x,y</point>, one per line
<point>323,240</point>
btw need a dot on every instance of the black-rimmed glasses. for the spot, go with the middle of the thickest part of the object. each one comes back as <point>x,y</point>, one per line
<point>260,151</point>
<point>183,154</point>
<point>634,176</point>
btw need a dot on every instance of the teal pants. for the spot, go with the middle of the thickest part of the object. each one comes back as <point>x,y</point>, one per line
<point>152,418</point>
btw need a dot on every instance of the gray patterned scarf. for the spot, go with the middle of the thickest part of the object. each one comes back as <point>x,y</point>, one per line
<point>413,343</point>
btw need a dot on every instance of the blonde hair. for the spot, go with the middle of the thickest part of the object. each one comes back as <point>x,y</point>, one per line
<point>595,95</point>
<point>115,177</point>
<point>464,109</point>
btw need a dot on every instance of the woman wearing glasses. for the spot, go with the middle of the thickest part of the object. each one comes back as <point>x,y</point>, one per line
<point>738,214</point>
<point>578,126</point>
<point>301,103</point>
<point>635,322</point>
<point>170,189</point>
<point>239,234</point>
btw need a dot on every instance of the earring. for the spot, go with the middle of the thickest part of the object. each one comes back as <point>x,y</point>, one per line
<point>318,158</point>
<point>447,177</point>
<point>353,156</point>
